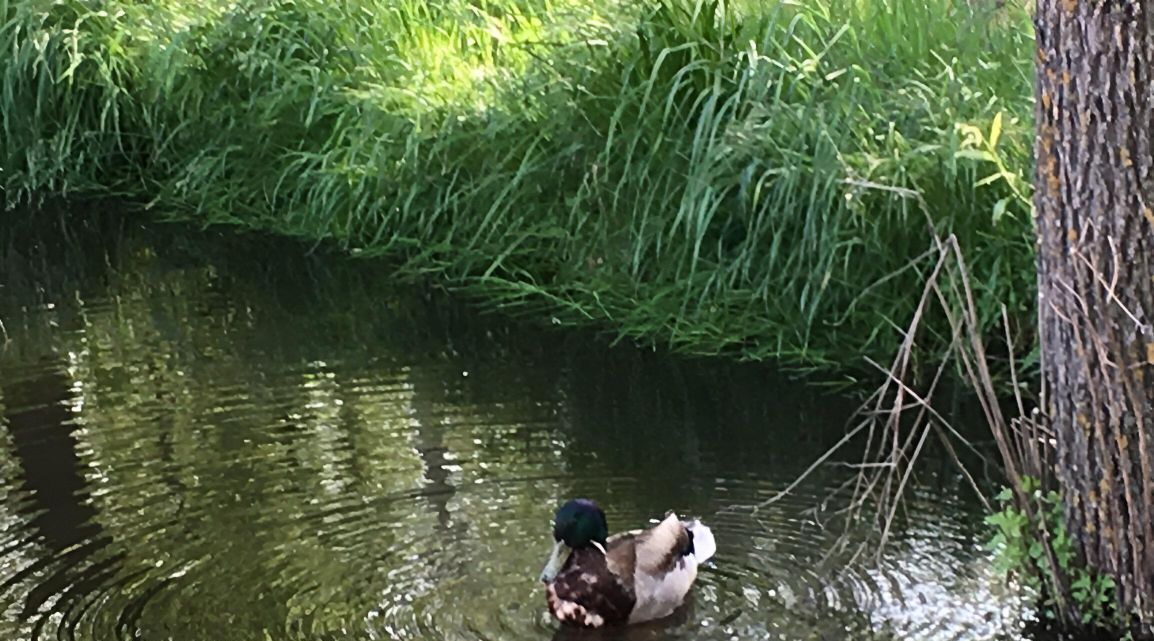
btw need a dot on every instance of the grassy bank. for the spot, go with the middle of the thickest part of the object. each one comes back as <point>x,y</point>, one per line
<point>746,178</point>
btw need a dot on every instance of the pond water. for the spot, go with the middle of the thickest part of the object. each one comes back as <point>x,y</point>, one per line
<point>211,437</point>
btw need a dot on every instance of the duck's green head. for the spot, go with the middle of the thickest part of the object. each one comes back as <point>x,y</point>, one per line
<point>578,524</point>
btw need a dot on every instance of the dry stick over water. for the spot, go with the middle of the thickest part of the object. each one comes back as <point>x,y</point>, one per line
<point>896,373</point>
<point>1021,444</point>
<point>900,456</point>
<point>877,400</point>
<point>1020,449</point>
<point>868,423</point>
<point>889,457</point>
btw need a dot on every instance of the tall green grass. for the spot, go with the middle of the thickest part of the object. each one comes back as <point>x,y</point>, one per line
<point>749,178</point>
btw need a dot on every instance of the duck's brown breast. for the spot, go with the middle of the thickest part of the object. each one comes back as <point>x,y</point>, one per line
<point>587,593</point>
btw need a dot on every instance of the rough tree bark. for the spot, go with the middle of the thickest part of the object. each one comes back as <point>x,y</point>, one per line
<point>1094,202</point>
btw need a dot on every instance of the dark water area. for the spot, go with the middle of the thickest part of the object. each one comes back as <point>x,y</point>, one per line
<point>206,436</point>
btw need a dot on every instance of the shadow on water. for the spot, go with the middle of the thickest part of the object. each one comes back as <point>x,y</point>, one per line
<point>210,436</point>
<point>41,437</point>
<point>42,444</point>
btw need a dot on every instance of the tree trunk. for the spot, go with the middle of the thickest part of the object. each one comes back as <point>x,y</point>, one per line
<point>1094,200</point>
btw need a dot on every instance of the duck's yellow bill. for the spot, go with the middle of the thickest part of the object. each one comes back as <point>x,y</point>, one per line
<point>556,561</point>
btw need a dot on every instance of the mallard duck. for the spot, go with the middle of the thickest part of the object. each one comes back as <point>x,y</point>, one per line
<point>593,579</point>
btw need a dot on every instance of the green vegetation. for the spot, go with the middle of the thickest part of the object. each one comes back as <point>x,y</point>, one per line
<point>750,178</point>
<point>1030,542</point>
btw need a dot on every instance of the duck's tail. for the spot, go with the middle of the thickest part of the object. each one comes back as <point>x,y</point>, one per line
<point>704,546</point>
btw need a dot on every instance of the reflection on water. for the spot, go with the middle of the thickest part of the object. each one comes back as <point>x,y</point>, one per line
<point>224,439</point>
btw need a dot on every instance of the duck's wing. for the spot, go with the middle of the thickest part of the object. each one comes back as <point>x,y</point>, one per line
<point>660,548</point>
<point>621,555</point>
<point>665,568</point>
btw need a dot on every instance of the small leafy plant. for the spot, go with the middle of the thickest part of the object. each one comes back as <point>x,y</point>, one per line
<point>1032,543</point>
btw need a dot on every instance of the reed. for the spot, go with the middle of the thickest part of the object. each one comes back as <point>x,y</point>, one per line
<point>760,180</point>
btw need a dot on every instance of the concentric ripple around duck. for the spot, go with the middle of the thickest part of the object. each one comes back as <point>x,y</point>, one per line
<point>185,455</point>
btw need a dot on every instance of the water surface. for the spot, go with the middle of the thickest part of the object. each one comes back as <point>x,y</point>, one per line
<point>206,437</point>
